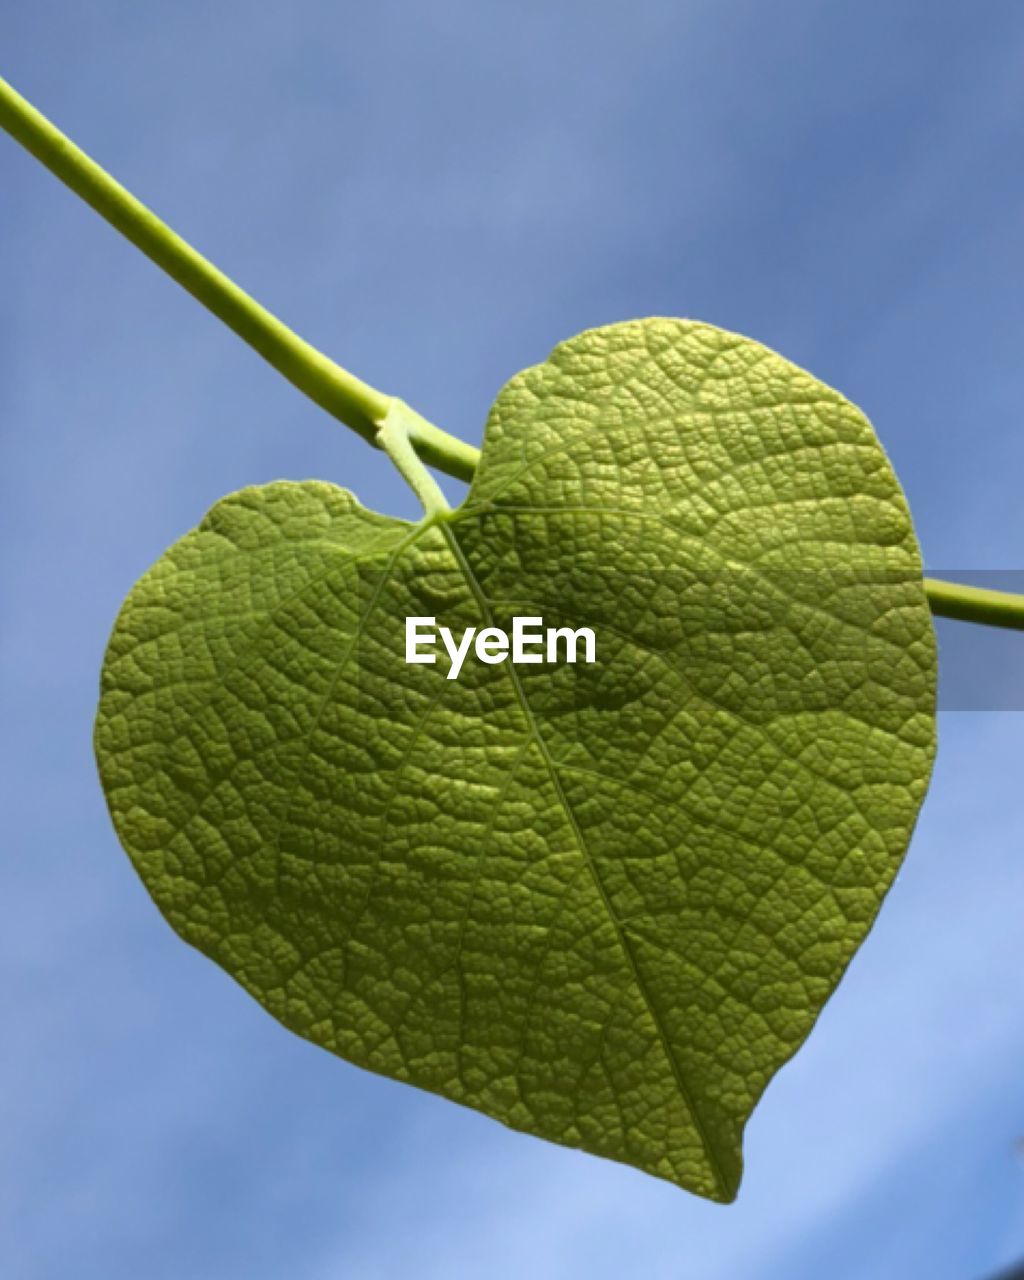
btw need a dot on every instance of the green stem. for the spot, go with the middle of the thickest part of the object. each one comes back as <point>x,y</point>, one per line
<point>344,396</point>
<point>975,604</point>
<point>383,420</point>
<point>395,436</point>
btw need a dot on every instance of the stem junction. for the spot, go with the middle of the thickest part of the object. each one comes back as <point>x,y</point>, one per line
<point>384,421</point>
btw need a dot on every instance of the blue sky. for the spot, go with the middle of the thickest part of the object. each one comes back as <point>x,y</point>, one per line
<point>436,194</point>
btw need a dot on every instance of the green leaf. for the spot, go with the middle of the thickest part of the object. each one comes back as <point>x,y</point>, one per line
<point>601,903</point>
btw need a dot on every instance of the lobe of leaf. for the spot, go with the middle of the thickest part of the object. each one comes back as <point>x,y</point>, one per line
<point>603,904</point>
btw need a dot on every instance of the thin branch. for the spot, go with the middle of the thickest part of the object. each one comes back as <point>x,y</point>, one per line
<point>340,393</point>
<point>343,395</point>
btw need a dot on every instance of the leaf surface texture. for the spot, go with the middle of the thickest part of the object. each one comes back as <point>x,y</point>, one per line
<point>601,903</point>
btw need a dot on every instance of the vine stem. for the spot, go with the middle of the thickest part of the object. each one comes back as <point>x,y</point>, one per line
<point>343,395</point>
<point>383,420</point>
<point>975,604</point>
<point>395,438</point>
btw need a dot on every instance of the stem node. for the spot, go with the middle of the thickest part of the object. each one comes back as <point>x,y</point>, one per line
<point>409,440</point>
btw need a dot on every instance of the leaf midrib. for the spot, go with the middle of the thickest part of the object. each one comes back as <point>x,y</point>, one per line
<point>725,1184</point>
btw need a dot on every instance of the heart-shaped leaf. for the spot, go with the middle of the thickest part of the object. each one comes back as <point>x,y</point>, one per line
<point>602,903</point>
